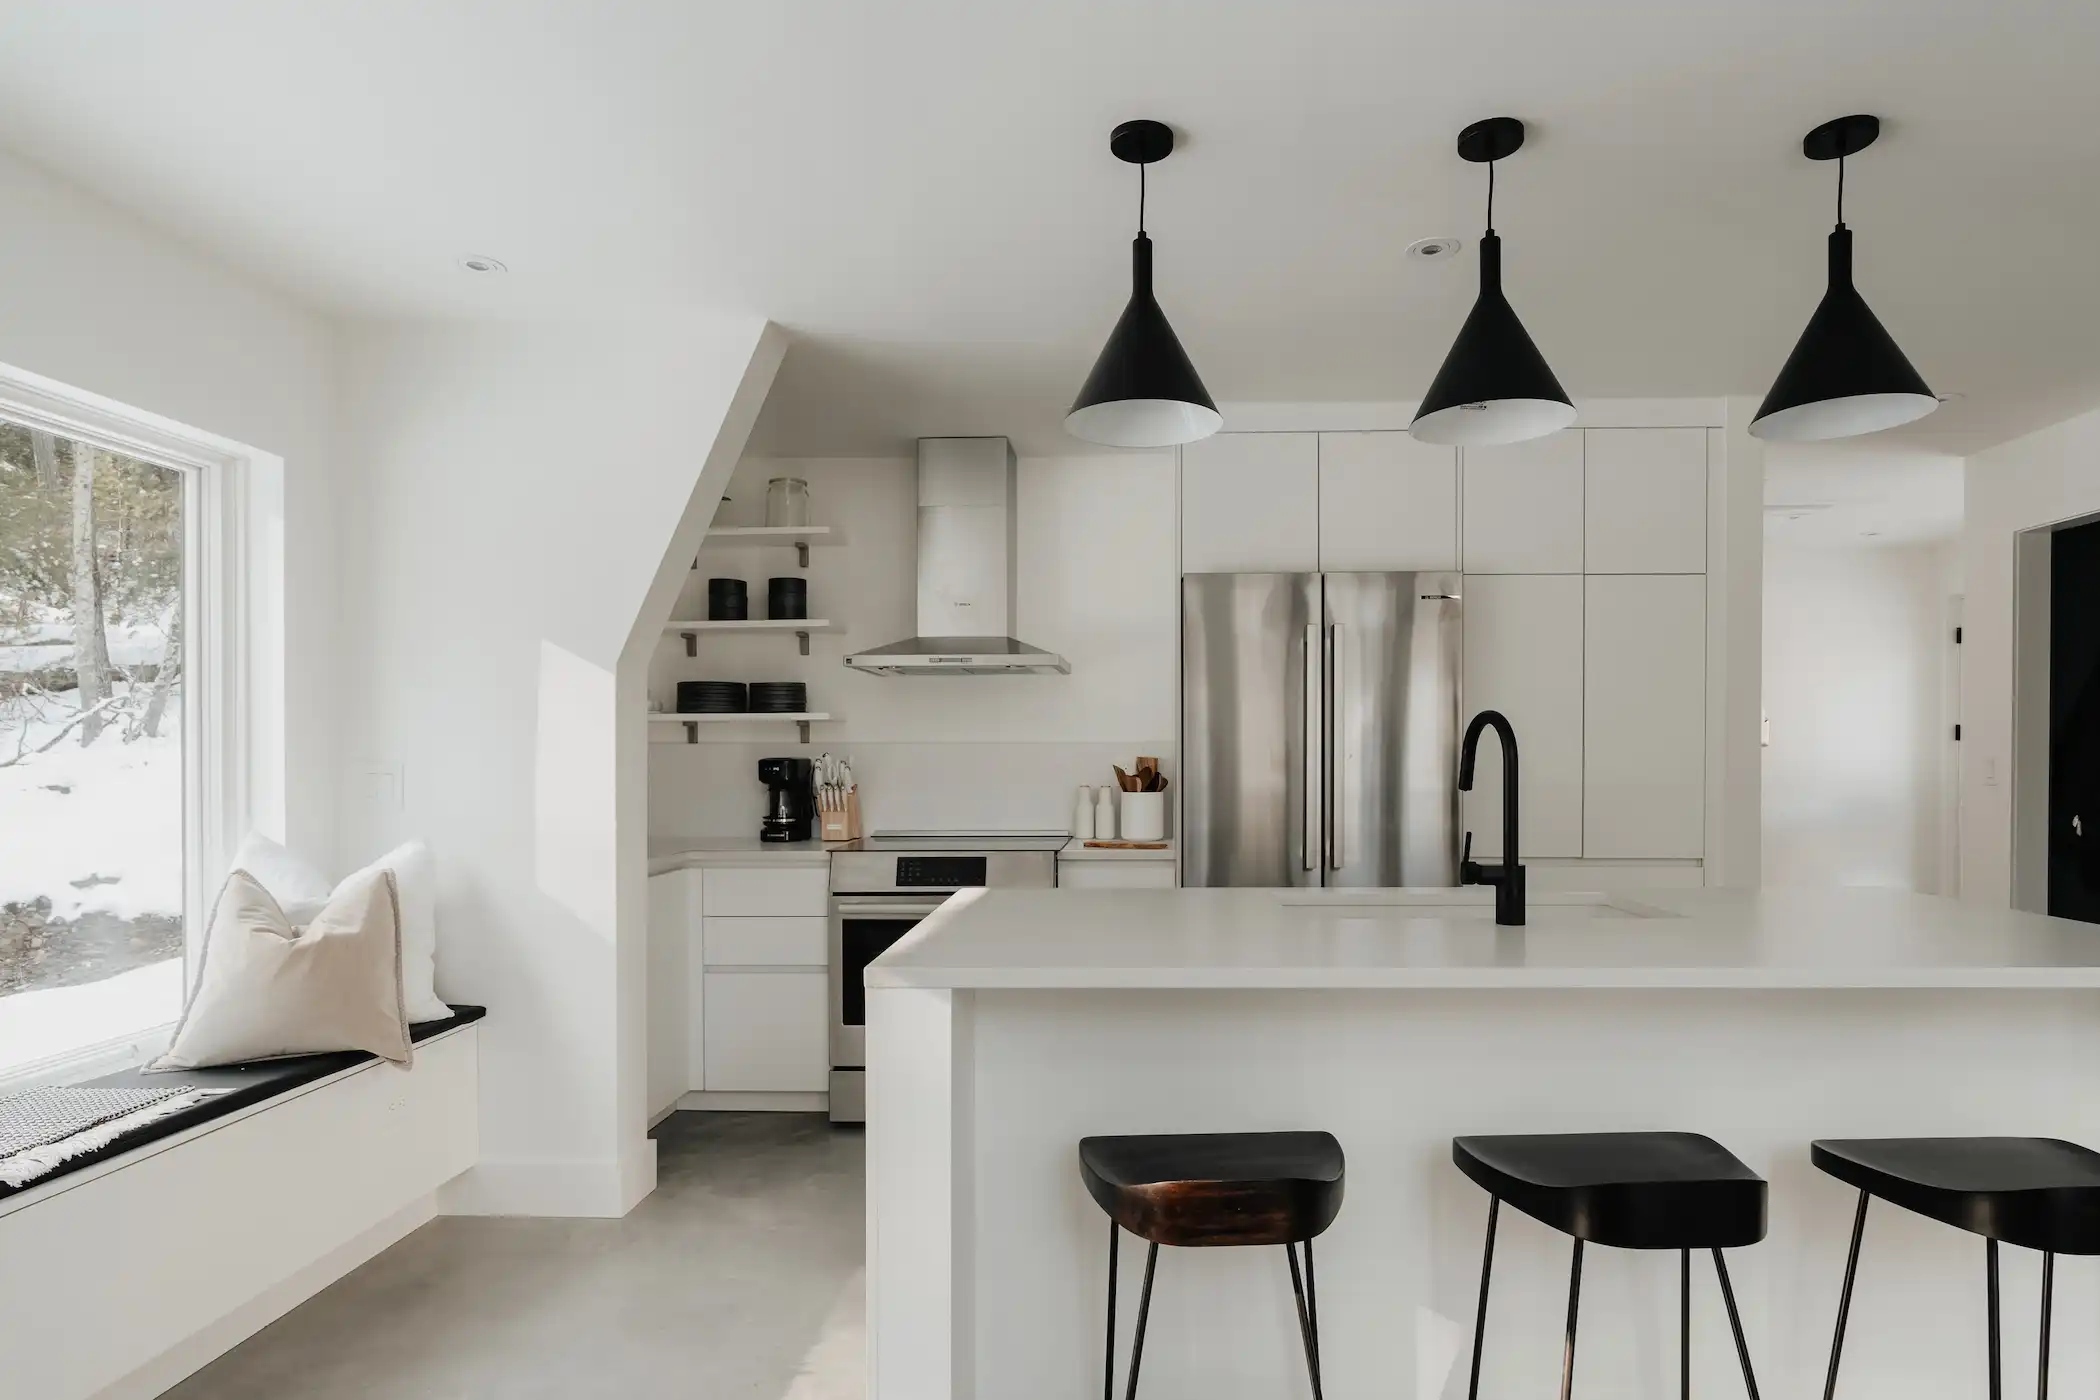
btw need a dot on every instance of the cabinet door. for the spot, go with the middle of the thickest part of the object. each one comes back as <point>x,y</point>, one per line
<point>1387,502</point>
<point>1115,874</point>
<point>1523,506</point>
<point>1524,658</point>
<point>767,1031</point>
<point>670,1011</point>
<point>1644,716</point>
<point>1250,503</point>
<point>767,942</point>
<point>1644,500</point>
<point>791,889</point>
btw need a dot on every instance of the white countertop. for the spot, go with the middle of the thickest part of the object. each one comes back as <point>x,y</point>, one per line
<point>683,853</point>
<point>1077,849</point>
<point>1342,939</point>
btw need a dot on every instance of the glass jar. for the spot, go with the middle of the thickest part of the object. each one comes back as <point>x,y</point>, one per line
<point>787,501</point>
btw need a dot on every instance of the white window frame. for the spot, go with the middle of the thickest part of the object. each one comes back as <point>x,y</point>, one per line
<point>233,690</point>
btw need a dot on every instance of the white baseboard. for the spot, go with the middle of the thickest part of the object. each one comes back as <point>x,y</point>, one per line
<point>596,1189</point>
<point>202,1348</point>
<point>731,1101</point>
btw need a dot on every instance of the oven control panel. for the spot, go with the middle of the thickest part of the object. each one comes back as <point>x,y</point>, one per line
<point>939,872</point>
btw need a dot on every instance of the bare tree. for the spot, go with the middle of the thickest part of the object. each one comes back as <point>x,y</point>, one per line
<point>164,681</point>
<point>90,637</point>
<point>44,447</point>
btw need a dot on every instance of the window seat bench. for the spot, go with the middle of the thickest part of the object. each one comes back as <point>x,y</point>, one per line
<point>130,1267</point>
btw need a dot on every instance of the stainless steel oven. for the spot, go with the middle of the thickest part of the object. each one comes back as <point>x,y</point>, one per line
<point>881,887</point>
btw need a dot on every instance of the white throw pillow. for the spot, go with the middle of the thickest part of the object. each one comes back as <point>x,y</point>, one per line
<point>415,879</point>
<point>301,890</point>
<point>266,989</point>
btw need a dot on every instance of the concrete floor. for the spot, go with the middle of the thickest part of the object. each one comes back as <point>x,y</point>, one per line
<point>740,1276</point>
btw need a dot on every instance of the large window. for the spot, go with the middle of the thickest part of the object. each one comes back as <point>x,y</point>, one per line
<point>95,563</point>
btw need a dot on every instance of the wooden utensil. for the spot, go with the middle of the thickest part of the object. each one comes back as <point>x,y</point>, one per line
<point>1124,780</point>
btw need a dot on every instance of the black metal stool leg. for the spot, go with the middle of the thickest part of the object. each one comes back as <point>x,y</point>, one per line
<point>2041,1386</point>
<point>1108,1366</point>
<point>1990,1291</point>
<point>1137,1343</point>
<point>1312,1309</point>
<point>1684,1322</point>
<point>1567,1361</point>
<point>1487,1270</point>
<point>1735,1324</point>
<point>1306,1323</point>
<point>1837,1340</point>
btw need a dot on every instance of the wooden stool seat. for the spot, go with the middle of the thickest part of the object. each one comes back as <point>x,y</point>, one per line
<point>1216,1188</point>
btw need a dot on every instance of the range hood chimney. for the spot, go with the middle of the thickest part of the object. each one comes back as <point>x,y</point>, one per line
<point>966,570</point>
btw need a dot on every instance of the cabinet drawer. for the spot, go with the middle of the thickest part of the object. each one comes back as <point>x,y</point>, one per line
<point>733,890</point>
<point>767,1031</point>
<point>744,941</point>
<point>1116,874</point>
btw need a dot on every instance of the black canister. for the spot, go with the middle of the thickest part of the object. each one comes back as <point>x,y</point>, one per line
<point>787,599</point>
<point>728,600</point>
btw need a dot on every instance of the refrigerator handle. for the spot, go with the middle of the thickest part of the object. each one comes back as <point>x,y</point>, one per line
<point>1331,819</point>
<point>1312,844</point>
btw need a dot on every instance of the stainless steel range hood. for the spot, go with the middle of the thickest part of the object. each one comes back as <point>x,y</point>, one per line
<point>966,570</point>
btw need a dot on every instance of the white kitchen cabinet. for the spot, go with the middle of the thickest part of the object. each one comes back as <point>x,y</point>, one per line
<point>1085,874</point>
<point>672,898</point>
<point>766,942</point>
<point>1250,503</point>
<point>1644,500</point>
<point>1644,716</point>
<point>1387,502</point>
<point>1523,656</point>
<point>767,1032</point>
<point>1523,506</point>
<point>781,890</point>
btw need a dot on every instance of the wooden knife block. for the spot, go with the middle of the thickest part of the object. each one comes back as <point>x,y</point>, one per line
<point>841,824</point>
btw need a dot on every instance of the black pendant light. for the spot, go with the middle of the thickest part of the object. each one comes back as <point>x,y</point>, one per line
<point>1495,386</point>
<point>1846,376</point>
<point>1143,391</point>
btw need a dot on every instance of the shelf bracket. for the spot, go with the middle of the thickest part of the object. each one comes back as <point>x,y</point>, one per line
<point>690,641</point>
<point>802,637</point>
<point>692,732</point>
<point>802,725</point>
<point>802,553</point>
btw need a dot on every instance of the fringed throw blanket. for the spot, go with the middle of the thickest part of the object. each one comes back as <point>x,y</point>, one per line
<point>42,1129</point>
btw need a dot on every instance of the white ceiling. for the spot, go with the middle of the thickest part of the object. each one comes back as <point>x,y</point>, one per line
<point>922,189</point>
<point>1864,493</point>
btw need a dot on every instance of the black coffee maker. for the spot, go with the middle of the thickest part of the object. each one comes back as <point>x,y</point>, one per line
<point>791,805</point>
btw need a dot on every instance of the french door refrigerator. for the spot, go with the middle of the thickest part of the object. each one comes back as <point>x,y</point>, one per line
<point>1320,728</point>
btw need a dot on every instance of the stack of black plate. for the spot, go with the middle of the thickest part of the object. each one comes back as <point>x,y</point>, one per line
<point>779,697</point>
<point>713,698</point>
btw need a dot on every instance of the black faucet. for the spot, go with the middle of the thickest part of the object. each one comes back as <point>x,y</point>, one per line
<point>1507,877</point>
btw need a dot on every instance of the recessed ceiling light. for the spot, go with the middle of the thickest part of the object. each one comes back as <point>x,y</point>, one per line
<point>476,262</point>
<point>1435,249</point>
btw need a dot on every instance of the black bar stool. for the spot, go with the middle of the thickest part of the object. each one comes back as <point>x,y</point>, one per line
<point>2039,1193</point>
<point>1675,1191</point>
<point>1215,1189</point>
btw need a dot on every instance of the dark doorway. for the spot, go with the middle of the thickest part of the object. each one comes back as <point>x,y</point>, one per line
<point>2074,723</point>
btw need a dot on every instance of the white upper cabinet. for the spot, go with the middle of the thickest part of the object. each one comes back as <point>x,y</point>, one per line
<point>1387,502</point>
<point>1524,658</point>
<point>1644,716</point>
<point>1250,503</point>
<point>1645,500</point>
<point>1523,506</point>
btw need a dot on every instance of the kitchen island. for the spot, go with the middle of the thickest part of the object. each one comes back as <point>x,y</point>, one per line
<point>1013,1023</point>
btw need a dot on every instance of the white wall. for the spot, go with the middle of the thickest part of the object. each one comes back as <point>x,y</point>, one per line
<point>1855,657</point>
<point>97,301</point>
<point>2045,477</point>
<point>526,503</point>
<point>1097,582</point>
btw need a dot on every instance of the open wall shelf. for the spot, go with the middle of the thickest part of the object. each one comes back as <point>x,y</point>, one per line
<point>801,627</point>
<point>803,538</point>
<point>802,721</point>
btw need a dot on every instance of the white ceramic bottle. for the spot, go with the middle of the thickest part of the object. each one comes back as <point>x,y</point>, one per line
<point>1105,815</point>
<point>1083,815</point>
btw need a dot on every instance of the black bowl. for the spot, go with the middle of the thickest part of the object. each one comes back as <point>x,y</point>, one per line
<point>713,698</point>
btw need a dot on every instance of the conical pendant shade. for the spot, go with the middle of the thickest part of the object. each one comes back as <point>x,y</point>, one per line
<point>1495,386</point>
<point>1143,391</point>
<point>1846,376</point>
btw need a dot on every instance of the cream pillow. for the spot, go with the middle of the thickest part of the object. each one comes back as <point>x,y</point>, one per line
<point>302,890</point>
<point>266,989</point>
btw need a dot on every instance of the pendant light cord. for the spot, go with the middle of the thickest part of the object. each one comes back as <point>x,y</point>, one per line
<point>1141,199</point>
<point>1841,191</point>
<point>1491,197</point>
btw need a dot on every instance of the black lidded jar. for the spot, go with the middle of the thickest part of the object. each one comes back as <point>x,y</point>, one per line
<point>728,600</point>
<point>787,599</point>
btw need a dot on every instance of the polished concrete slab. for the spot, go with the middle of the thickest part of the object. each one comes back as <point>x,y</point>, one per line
<point>740,1276</point>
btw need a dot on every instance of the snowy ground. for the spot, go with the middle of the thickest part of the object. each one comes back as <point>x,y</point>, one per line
<point>37,1025</point>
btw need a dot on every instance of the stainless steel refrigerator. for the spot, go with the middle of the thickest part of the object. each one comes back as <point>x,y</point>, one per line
<point>1320,728</point>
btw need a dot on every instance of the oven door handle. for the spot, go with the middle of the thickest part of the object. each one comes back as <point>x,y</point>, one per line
<point>884,909</point>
